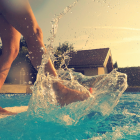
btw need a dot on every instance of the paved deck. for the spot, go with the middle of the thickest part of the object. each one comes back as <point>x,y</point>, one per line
<point>11,88</point>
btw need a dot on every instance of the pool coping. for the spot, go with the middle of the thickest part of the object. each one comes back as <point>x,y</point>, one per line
<point>25,89</point>
<point>16,88</point>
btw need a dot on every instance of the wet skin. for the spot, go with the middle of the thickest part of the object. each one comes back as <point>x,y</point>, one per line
<point>5,112</point>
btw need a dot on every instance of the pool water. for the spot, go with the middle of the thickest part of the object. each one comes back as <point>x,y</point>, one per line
<point>8,100</point>
<point>123,123</point>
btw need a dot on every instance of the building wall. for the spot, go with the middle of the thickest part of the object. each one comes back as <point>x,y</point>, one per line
<point>102,70</point>
<point>106,70</point>
<point>88,71</point>
<point>91,71</point>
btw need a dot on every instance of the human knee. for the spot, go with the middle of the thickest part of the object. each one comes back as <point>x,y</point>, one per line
<point>10,42</point>
<point>39,33</point>
<point>34,36</point>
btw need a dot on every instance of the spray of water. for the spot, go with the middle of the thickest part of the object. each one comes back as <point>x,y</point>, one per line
<point>107,89</point>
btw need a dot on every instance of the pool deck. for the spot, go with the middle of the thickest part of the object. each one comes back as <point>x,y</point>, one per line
<point>17,88</point>
<point>16,109</point>
<point>12,88</point>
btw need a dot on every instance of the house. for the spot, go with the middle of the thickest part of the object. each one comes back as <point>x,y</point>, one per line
<point>91,62</point>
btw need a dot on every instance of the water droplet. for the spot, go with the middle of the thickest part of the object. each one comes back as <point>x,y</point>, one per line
<point>30,82</point>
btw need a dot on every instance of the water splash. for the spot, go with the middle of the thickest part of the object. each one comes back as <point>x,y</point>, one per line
<point>107,89</point>
<point>53,31</point>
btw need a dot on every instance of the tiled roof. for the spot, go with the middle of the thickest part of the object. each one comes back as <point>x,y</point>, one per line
<point>88,58</point>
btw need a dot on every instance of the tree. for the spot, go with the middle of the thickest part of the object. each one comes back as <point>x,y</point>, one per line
<point>133,75</point>
<point>115,65</point>
<point>23,42</point>
<point>60,54</point>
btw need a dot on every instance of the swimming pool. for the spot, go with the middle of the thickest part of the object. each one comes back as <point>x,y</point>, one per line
<point>88,119</point>
<point>122,124</point>
<point>8,100</point>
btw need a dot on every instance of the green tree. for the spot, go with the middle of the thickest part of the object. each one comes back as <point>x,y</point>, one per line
<point>60,54</point>
<point>115,65</point>
<point>23,42</point>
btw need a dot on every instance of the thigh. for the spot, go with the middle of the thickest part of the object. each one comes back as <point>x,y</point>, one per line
<point>9,35</point>
<point>21,18</point>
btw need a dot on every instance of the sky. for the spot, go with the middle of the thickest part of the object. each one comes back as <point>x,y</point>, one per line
<point>93,24</point>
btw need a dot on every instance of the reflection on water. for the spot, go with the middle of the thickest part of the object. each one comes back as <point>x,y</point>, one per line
<point>122,123</point>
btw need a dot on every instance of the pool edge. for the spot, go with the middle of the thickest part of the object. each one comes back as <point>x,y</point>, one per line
<point>15,88</point>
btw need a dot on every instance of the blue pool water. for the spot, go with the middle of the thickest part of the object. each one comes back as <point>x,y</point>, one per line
<point>8,100</point>
<point>123,123</point>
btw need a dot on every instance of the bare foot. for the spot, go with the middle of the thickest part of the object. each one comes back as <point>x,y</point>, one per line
<point>66,96</point>
<point>5,112</point>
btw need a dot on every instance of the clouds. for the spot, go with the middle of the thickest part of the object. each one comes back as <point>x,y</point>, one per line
<point>115,35</point>
<point>113,28</point>
<point>132,38</point>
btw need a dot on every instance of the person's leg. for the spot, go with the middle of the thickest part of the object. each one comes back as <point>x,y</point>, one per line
<point>66,96</point>
<point>5,112</point>
<point>10,41</point>
<point>24,21</point>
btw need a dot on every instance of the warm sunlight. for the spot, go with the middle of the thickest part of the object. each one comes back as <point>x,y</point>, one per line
<point>94,24</point>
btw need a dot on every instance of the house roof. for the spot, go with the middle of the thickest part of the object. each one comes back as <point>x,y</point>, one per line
<point>89,58</point>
